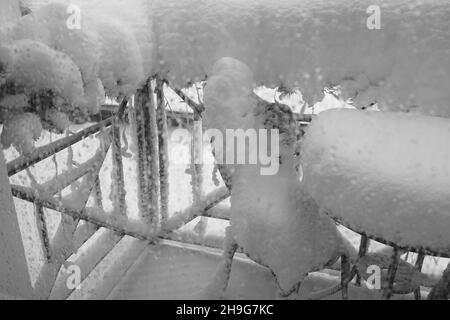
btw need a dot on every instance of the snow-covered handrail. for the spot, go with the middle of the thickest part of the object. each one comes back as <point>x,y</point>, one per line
<point>423,250</point>
<point>63,180</point>
<point>94,216</point>
<point>46,151</point>
<point>393,52</point>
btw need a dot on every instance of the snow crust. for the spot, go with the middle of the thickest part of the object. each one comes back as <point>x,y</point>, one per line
<point>387,174</point>
<point>41,54</point>
<point>311,45</point>
<point>9,14</point>
<point>315,44</point>
<point>37,67</point>
<point>102,49</point>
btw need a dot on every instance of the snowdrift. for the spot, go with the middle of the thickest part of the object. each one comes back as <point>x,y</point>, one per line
<point>387,174</point>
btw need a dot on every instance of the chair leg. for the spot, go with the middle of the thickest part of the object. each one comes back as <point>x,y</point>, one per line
<point>363,247</point>
<point>285,295</point>
<point>218,286</point>
<point>345,274</point>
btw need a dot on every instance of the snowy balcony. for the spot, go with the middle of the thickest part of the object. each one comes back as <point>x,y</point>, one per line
<point>108,200</point>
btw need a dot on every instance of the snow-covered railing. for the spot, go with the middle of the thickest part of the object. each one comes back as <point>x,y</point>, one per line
<point>148,115</point>
<point>152,130</point>
<point>393,282</point>
<point>69,236</point>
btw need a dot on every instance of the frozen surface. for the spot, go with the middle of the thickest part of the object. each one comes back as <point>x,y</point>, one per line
<point>385,173</point>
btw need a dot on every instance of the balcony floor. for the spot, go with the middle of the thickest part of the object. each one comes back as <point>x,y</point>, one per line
<point>177,271</point>
<point>172,271</point>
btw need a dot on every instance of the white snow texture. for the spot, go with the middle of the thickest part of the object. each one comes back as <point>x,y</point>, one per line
<point>384,173</point>
<point>310,45</point>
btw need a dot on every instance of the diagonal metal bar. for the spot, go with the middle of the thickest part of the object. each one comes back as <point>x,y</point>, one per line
<point>30,195</point>
<point>64,180</point>
<point>199,108</point>
<point>192,212</point>
<point>43,232</point>
<point>47,151</point>
<point>44,152</point>
<point>163,149</point>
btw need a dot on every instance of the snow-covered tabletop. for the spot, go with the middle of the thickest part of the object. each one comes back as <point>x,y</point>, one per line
<point>386,174</point>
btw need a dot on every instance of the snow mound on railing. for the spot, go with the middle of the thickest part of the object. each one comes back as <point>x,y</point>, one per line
<point>21,130</point>
<point>314,44</point>
<point>388,174</point>
<point>103,48</point>
<point>73,66</point>
<point>36,67</point>
<point>405,65</point>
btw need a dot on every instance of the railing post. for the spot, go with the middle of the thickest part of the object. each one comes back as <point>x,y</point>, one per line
<point>148,160</point>
<point>196,158</point>
<point>197,168</point>
<point>43,232</point>
<point>151,135</point>
<point>98,196</point>
<point>418,267</point>
<point>345,276</point>
<point>163,150</point>
<point>118,180</point>
<point>137,118</point>
<point>14,276</point>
